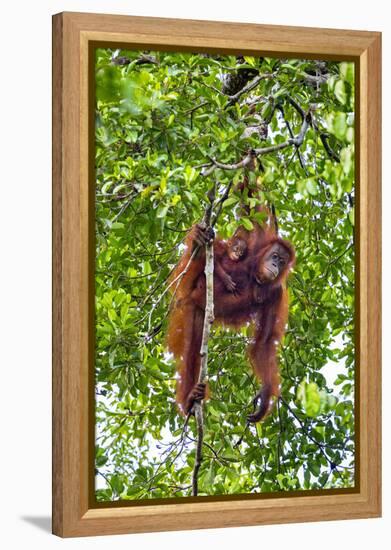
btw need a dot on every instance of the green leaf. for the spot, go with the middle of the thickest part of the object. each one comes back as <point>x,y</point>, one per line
<point>162,211</point>
<point>338,125</point>
<point>312,186</point>
<point>308,395</point>
<point>340,92</point>
<point>347,159</point>
<point>346,70</point>
<point>247,224</point>
<point>230,201</point>
<point>249,60</point>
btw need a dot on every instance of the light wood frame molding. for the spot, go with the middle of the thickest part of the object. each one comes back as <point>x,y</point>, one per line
<point>73,34</point>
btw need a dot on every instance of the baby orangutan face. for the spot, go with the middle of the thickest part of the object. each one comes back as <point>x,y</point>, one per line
<point>273,263</point>
<point>237,250</point>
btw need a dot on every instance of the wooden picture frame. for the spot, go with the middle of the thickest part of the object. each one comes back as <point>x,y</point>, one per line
<point>74,36</point>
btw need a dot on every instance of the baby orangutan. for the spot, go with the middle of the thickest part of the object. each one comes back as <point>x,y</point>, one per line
<point>234,250</point>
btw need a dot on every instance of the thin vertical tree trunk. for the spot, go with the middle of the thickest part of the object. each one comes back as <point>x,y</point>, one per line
<point>208,321</point>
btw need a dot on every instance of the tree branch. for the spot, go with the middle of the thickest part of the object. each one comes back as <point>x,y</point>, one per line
<point>250,86</point>
<point>297,141</point>
<point>208,320</point>
<point>332,154</point>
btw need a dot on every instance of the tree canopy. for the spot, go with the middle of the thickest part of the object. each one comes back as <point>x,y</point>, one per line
<point>169,126</point>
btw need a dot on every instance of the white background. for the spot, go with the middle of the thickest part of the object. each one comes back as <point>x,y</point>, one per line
<point>25,255</point>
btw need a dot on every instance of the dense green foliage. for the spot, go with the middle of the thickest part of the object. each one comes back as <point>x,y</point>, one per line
<point>160,118</point>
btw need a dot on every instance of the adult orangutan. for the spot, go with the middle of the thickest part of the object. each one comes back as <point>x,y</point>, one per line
<point>249,286</point>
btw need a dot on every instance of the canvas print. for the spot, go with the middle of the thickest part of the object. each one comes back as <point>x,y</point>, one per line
<point>225,341</point>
